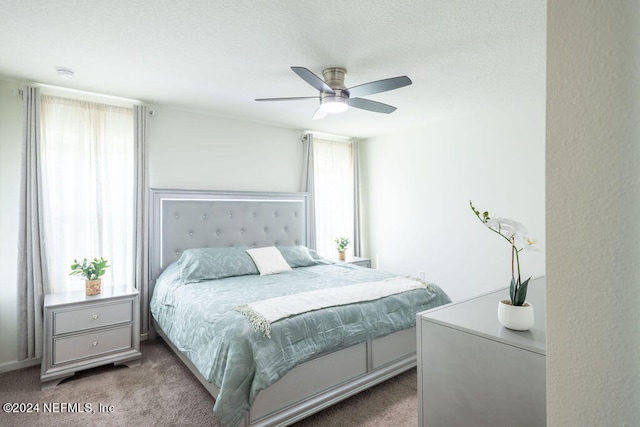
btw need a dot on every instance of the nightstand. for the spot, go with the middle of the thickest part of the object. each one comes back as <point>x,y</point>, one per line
<point>362,262</point>
<point>356,260</point>
<point>82,332</point>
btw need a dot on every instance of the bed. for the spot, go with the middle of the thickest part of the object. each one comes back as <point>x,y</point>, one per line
<point>213,305</point>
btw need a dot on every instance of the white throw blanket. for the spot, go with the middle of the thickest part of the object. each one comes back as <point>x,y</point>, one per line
<point>263,313</point>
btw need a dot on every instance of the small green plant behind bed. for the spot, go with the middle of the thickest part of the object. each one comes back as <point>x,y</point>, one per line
<point>90,270</point>
<point>342,243</point>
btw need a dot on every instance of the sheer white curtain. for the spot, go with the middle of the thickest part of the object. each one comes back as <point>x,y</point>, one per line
<point>334,194</point>
<point>88,189</point>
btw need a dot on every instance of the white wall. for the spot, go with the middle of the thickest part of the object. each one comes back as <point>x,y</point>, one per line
<point>10,161</point>
<point>593,210</point>
<point>195,150</point>
<point>419,183</point>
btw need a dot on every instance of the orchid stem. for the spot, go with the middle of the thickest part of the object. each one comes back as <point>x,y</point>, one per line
<point>514,250</point>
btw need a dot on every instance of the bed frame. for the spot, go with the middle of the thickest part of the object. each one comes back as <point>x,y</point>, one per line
<point>182,219</point>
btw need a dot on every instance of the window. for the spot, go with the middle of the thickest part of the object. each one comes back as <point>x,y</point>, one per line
<point>334,194</point>
<point>88,189</point>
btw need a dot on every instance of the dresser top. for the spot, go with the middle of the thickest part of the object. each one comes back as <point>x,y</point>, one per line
<point>479,316</point>
<point>108,292</point>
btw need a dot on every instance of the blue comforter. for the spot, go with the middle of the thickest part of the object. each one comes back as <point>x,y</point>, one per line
<point>200,320</point>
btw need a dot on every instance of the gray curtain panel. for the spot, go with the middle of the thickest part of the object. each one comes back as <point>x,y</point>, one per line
<point>31,254</point>
<point>355,155</point>
<point>140,235</point>
<point>307,185</point>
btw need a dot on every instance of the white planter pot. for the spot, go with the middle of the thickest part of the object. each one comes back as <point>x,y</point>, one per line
<point>518,318</point>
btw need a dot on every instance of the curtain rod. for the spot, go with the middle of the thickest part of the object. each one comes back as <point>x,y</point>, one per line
<point>87,93</point>
<point>329,135</point>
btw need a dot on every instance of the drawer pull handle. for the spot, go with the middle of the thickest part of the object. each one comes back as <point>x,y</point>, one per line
<point>95,343</point>
<point>95,317</point>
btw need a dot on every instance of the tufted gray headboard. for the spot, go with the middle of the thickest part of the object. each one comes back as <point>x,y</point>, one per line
<point>183,219</point>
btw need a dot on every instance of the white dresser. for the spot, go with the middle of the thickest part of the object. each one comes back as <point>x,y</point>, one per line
<point>83,331</point>
<point>472,371</point>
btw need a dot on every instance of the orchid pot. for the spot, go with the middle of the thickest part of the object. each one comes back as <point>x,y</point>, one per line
<point>515,317</point>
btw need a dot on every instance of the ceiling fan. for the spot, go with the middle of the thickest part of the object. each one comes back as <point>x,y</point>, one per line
<point>335,97</point>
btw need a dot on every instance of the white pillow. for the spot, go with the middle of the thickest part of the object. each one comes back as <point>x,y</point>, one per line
<point>269,260</point>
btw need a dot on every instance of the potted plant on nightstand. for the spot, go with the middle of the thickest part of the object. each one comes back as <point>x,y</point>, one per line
<point>342,243</point>
<point>514,313</point>
<point>91,271</point>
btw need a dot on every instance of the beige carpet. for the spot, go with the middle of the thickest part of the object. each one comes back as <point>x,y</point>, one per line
<point>162,392</point>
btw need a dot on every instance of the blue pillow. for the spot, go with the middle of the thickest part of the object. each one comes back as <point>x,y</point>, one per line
<point>197,265</point>
<point>298,256</point>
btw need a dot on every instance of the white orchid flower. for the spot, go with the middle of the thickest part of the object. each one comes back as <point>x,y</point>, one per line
<point>507,227</point>
<point>529,244</point>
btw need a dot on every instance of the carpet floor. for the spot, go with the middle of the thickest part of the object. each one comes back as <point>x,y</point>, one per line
<point>162,392</point>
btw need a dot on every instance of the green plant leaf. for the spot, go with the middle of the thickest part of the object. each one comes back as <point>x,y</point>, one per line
<point>342,243</point>
<point>89,270</point>
<point>512,290</point>
<point>521,293</point>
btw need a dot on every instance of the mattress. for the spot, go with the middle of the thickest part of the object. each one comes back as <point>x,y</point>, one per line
<point>202,321</point>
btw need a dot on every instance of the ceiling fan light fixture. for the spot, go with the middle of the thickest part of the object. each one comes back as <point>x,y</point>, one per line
<point>334,104</point>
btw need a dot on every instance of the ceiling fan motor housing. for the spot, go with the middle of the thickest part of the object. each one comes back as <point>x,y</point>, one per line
<point>334,77</point>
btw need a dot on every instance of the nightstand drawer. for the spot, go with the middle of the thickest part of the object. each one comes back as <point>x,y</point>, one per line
<point>81,346</point>
<point>92,317</point>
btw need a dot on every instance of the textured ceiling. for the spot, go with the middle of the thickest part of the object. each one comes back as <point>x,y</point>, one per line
<point>217,56</point>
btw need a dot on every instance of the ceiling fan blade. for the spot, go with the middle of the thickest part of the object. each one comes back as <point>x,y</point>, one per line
<point>367,104</point>
<point>293,98</point>
<point>313,80</point>
<point>379,86</point>
<point>319,114</point>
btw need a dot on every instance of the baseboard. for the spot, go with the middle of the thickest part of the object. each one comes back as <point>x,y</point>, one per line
<point>15,365</point>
